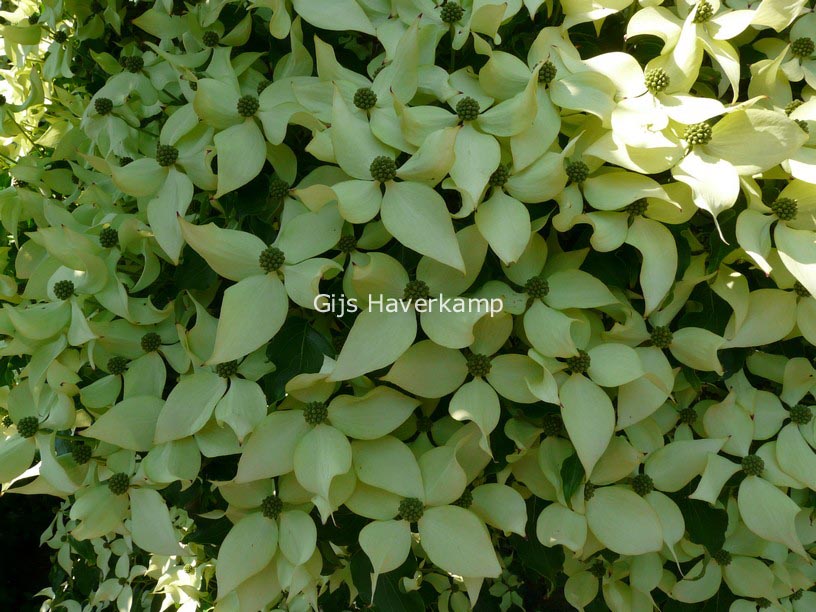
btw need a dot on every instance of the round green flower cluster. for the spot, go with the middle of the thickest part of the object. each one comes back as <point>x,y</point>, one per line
<point>262,85</point>
<point>785,209</point>
<point>383,168</point>
<point>642,484</point>
<point>537,287</point>
<point>753,465</point>
<point>60,37</point>
<point>151,342</point>
<point>365,98</point>
<point>801,414</point>
<point>119,483</point>
<point>63,289</point>
<point>247,106</point>
<point>315,413</point>
<point>661,337</point>
<point>800,290</point>
<point>467,109</point>
<point>499,176</point>
<point>478,365</point>
<point>698,134</point>
<point>28,426</point>
<point>166,155</point>
<point>589,490</point>
<point>792,106</point>
<point>687,415</point>
<point>132,63</point>
<point>347,243</point>
<point>278,189</point>
<point>656,80</point>
<point>722,557</point>
<point>117,365</point>
<point>704,12</point>
<point>416,290</point>
<point>637,208</point>
<point>271,259</point>
<point>577,172</point>
<point>802,47</point>
<point>579,363</point>
<point>108,238</point>
<point>411,509</point>
<point>227,369</point>
<point>451,12</point>
<point>103,106</point>
<point>271,507</point>
<point>210,38</point>
<point>7,422</point>
<point>547,72</point>
<point>465,500</point>
<point>552,424</point>
<point>81,453</point>
<point>802,125</point>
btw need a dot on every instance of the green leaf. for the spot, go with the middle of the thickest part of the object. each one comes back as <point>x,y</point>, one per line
<point>252,312</point>
<point>298,348</point>
<point>243,407</point>
<point>271,447</point>
<point>247,549</point>
<point>129,424</point>
<point>150,526</point>
<point>373,415</point>
<point>230,253</point>
<point>376,340</point>
<point>171,201</point>
<point>623,521</point>
<point>769,513</point>
<point>241,155</point>
<point>706,525</point>
<point>428,370</point>
<point>322,454</point>
<point>189,406</point>
<point>572,475</point>
<point>340,15</point>
<point>417,216</point>
<point>589,418</point>
<point>297,536</point>
<point>388,464</point>
<point>387,544</point>
<point>458,542</point>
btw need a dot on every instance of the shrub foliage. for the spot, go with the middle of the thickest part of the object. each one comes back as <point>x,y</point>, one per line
<point>205,202</point>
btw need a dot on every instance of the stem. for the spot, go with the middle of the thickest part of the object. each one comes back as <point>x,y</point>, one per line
<point>26,134</point>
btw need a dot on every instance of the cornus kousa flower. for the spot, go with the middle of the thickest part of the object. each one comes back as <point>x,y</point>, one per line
<point>429,370</point>
<point>239,114</point>
<point>701,28</point>
<point>648,103</point>
<point>802,164</point>
<point>307,435</point>
<point>278,519</point>
<point>255,307</point>
<point>791,216</point>
<point>587,575</point>
<point>390,302</point>
<point>800,60</point>
<point>432,493</point>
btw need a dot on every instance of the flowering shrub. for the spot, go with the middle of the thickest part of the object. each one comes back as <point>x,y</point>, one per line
<point>348,302</point>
